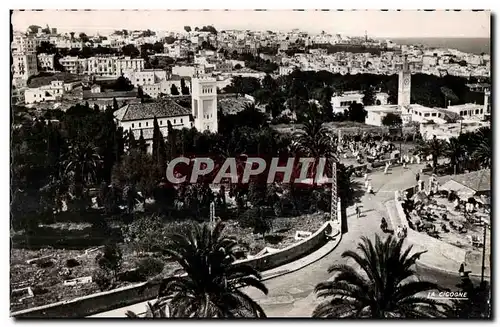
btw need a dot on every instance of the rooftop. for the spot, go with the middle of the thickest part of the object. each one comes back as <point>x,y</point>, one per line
<point>87,94</point>
<point>148,110</point>
<point>479,181</point>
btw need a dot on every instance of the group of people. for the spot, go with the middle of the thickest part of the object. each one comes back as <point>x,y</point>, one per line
<point>401,232</point>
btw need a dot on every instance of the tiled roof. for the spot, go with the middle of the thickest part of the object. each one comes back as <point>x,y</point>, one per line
<point>87,94</point>
<point>148,110</point>
<point>479,181</point>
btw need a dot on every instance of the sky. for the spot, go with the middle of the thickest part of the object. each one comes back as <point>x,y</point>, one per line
<point>396,24</point>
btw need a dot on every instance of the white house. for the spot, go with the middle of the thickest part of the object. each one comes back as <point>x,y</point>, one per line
<point>469,111</point>
<point>148,77</point>
<point>51,92</point>
<point>139,118</point>
<point>46,61</point>
<point>24,65</point>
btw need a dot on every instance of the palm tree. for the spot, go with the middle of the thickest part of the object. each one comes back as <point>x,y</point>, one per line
<point>211,284</point>
<point>314,140</point>
<point>384,285</point>
<point>456,152</point>
<point>483,152</point>
<point>435,147</point>
<point>81,164</point>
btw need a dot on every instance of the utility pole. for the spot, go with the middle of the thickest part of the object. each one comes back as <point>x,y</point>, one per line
<point>334,202</point>
<point>484,250</point>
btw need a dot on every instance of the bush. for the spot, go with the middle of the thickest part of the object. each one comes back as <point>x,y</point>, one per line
<point>102,279</point>
<point>146,234</point>
<point>247,219</point>
<point>70,263</point>
<point>150,267</point>
<point>110,259</point>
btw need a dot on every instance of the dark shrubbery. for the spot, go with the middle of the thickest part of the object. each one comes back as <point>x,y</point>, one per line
<point>150,267</point>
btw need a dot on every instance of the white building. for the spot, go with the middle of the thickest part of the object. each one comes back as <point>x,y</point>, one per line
<point>447,131</point>
<point>469,111</point>
<point>204,103</point>
<point>340,103</point>
<point>51,92</point>
<point>139,118</point>
<point>188,71</point>
<point>165,87</point>
<point>148,77</point>
<point>46,61</point>
<point>24,65</point>
<point>102,65</point>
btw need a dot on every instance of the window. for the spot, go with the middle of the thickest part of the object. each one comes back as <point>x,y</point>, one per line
<point>434,114</point>
<point>174,121</point>
<point>182,122</point>
<point>139,124</point>
<point>477,111</point>
<point>132,125</point>
<point>427,114</point>
<point>146,124</point>
<point>161,122</point>
<point>481,111</point>
<point>461,113</point>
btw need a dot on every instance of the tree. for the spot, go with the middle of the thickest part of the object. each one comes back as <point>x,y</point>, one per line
<point>140,93</point>
<point>142,143</point>
<point>81,164</point>
<point>159,150</point>
<point>357,112</point>
<point>209,29</point>
<point>483,152</point>
<point>123,84</point>
<point>184,88</point>
<point>384,285</point>
<point>158,47</point>
<point>477,305</point>
<point>137,169</point>
<point>187,28</point>
<point>115,105</point>
<point>146,234</point>
<point>392,120</point>
<point>434,147</point>
<point>456,152</point>
<point>211,286</point>
<point>369,96</point>
<point>130,50</point>
<point>174,90</point>
<point>314,140</point>
<point>110,259</point>
<point>170,39</point>
<point>83,37</point>
<point>46,47</point>
<point>326,102</point>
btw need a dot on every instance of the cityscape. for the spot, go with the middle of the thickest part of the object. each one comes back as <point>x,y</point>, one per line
<point>181,165</point>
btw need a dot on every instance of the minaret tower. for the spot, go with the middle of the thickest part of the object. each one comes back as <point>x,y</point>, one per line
<point>204,103</point>
<point>404,88</point>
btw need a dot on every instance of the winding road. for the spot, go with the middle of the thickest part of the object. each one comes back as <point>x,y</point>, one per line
<point>292,295</point>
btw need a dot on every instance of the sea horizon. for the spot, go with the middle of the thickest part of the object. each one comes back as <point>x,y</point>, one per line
<point>476,45</point>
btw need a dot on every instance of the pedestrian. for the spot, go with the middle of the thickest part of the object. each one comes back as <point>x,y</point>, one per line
<point>461,270</point>
<point>358,211</point>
